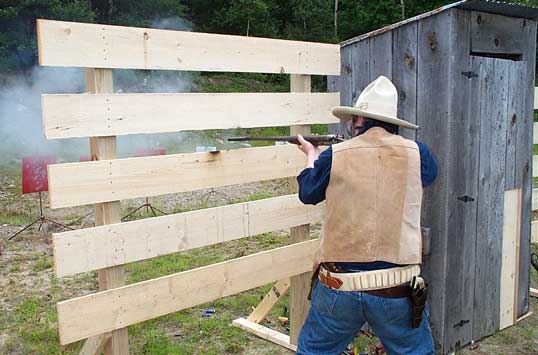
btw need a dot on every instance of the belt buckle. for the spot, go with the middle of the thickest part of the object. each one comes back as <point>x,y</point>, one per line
<point>334,283</point>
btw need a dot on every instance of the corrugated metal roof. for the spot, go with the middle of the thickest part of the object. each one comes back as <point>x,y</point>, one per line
<point>490,6</point>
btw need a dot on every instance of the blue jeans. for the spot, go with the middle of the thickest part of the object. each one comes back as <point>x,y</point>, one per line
<point>336,316</point>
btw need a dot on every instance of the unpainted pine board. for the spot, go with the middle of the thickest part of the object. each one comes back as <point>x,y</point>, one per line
<point>73,44</point>
<point>380,56</point>
<point>525,165</point>
<point>109,180</point>
<point>492,33</point>
<point>534,231</point>
<point>432,117</point>
<point>82,115</point>
<point>534,165</point>
<point>101,81</point>
<point>462,186</point>
<point>533,292</point>
<point>535,132</point>
<point>299,284</point>
<point>535,98</point>
<point>534,199</point>
<point>404,74</point>
<point>493,126</point>
<point>101,312</point>
<point>510,258</point>
<point>95,345</point>
<point>265,333</point>
<point>101,247</point>
<point>277,291</point>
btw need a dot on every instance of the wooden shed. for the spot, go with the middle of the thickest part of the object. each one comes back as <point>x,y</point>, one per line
<point>465,74</point>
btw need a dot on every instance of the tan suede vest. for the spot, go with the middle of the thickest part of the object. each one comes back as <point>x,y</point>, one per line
<point>373,201</point>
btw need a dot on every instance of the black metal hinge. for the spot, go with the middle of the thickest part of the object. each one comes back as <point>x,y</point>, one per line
<point>469,74</point>
<point>461,323</point>
<point>466,198</point>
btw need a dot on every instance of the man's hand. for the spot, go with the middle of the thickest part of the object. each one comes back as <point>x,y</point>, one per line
<point>312,152</point>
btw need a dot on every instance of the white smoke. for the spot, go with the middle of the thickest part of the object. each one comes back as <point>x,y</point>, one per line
<point>21,128</point>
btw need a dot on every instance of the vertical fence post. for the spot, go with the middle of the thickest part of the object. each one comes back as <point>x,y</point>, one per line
<point>300,284</point>
<point>99,81</point>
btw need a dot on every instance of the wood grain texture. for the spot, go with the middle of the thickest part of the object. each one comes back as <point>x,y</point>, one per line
<point>510,256</point>
<point>102,148</point>
<point>361,61</point>
<point>67,116</point>
<point>493,96</point>
<point>279,290</point>
<point>265,333</point>
<point>380,62</point>
<point>96,248</point>
<point>463,163</point>
<point>404,74</point>
<point>534,231</point>
<point>491,33</point>
<point>432,117</point>
<point>74,44</point>
<point>299,284</point>
<point>101,181</point>
<point>525,166</point>
<point>535,131</point>
<point>101,312</point>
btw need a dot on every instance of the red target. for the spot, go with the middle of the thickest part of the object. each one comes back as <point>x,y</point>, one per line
<point>34,173</point>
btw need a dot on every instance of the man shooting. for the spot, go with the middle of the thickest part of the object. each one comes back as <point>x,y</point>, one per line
<point>370,249</point>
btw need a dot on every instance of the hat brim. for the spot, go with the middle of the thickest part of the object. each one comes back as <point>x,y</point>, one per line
<point>347,113</point>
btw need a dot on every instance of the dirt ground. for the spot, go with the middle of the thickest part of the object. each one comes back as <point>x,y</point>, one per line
<point>29,290</point>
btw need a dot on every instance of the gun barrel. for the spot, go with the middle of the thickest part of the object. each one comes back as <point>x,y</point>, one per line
<point>314,139</point>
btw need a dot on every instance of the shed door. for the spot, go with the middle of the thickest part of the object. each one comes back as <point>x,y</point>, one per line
<point>497,104</point>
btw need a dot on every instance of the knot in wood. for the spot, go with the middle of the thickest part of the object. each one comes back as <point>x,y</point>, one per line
<point>409,60</point>
<point>432,40</point>
<point>348,68</point>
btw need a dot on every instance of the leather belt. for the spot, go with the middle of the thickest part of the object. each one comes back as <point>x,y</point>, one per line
<point>392,292</point>
<point>393,282</point>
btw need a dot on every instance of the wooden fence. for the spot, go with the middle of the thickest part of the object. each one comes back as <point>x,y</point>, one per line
<point>102,115</point>
<point>534,223</point>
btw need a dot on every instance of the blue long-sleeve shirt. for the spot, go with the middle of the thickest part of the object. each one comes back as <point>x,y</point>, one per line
<point>313,184</point>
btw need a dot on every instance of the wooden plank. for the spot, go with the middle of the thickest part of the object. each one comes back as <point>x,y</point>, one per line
<point>535,166</point>
<point>265,333</point>
<point>277,291</point>
<point>462,180</point>
<point>534,292</point>
<point>101,181</point>
<point>404,74</point>
<point>74,44</point>
<point>102,148</point>
<point>105,311</point>
<point>493,94</point>
<point>67,116</point>
<point>96,248</point>
<point>360,56</point>
<point>534,199</point>
<point>95,345</point>
<point>342,85</point>
<point>380,62</point>
<point>536,98</point>
<point>432,116</point>
<point>523,165</point>
<point>535,132</point>
<point>516,103</point>
<point>299,284</point>
<point>534,231</point>
<point>509,260</point>
<point>525,316</point>
<point>491,33</point>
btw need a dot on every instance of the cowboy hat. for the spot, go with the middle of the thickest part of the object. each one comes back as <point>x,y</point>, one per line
<point>379,100</point>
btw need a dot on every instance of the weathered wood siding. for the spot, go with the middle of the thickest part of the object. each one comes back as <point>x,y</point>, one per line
<point>475,114</point>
